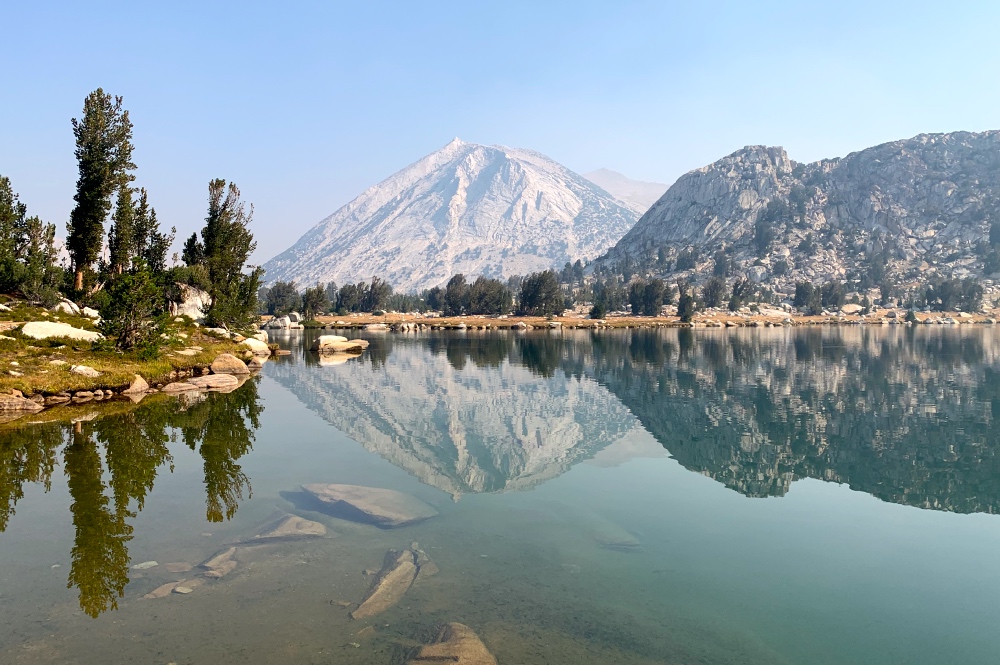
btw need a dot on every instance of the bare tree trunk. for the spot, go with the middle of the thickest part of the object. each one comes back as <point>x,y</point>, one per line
<point>78,281</point>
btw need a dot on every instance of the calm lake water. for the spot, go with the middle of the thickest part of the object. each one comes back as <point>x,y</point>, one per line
<point>823,495</point>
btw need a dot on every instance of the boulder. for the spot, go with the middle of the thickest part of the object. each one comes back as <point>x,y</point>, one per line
<point>279,323</point>
<point>376,327</point>
<point>256,363</point>
<point>9,403</point>
<point>337,344</point>
<point>90,313</point>
<point>258,347</point>
<point>455,643</point>
<point>295,317</point>
<point>851,309</point>
<point>46,329</point>
<point>67,307</point>
<point>179,387</point>
<point>227,363</point>
<point>192,303</point>
<point>399,570</point>
<point>137,386</point>
<point>215,381</point>
<point>382,507</point>
<point>83,370</point>
<point>291,527</point>
<point>262,336</point>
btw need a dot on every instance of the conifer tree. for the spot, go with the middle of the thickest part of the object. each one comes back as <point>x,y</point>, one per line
<point>121,236</point>
<point>228,244</point>
<point>104,159</point>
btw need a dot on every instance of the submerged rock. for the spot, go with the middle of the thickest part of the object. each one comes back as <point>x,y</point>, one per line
<point>455,643</point>
<point>291,527</point>
<point>337,344</point>
<point>390,585</point>
<point>383,507</point>
<point>220,564</point>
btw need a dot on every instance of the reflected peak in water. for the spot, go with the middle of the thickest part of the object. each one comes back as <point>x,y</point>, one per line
<point>902,413</point>
<point>464,414</point>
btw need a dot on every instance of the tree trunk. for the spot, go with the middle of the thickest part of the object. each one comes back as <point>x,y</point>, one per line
<point>78,281</point>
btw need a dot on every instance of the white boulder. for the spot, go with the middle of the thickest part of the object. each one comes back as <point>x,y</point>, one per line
<point>46,329</point>
<point>193,303</point>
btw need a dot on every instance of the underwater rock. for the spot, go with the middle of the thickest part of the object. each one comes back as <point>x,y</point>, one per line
<point>390,585</point>
<point>455,643</point>
<point>385,508</point>
<point>290,527</point>
<point>221,564</point>
<point>610,536</point>
<point>178,567</point>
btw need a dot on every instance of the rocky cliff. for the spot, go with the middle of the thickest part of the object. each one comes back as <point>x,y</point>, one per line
<point>908,209</point>
<point>474,209</point>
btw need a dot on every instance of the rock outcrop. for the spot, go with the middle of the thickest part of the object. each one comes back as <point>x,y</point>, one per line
<point>192,302</point>
<point>47,329</point>
<point>227,363</point>
<point>914,208</point>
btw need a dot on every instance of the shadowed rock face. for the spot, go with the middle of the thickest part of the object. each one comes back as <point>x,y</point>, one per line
<point>465,418</point>
<point>894,206</point>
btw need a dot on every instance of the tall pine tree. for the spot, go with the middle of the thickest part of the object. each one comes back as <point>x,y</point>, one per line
<point>228,244</point>
<point>121,236</point>
<point>104,160</point>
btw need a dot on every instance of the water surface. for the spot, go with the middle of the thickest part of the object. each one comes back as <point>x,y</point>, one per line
<point>821,495</point>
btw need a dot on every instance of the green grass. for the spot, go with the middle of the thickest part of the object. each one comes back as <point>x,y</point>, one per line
<point>41,361</point>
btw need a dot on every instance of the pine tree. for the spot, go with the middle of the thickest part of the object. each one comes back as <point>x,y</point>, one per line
<point>228,244</point>
<point>121,236</point>
<point>104,159</point>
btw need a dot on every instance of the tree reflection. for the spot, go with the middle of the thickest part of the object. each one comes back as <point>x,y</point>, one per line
<point>134,442</point>
<point>99,567</point>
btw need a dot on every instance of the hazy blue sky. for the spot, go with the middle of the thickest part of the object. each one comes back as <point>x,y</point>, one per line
<point>304,105</point>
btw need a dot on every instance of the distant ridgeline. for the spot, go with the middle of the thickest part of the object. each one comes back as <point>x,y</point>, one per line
<point>904,212</point>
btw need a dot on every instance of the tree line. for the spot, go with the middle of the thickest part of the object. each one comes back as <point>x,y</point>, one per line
<point>537,294</point>
<point>130,283</point>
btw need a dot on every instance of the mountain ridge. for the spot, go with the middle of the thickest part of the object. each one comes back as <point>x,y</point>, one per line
<point>906,210</point>
<point>481,210</point>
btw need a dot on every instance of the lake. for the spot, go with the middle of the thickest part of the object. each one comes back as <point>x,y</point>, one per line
<point>809,495</point>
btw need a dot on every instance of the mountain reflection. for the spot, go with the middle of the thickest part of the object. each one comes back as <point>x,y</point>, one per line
<point>905,414</point>
<point>107,491</point>
<point>464,413</point>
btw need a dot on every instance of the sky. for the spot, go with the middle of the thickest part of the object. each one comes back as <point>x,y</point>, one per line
<point>305,105</point>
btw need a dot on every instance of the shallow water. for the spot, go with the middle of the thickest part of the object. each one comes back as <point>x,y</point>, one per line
<point>753,496</point>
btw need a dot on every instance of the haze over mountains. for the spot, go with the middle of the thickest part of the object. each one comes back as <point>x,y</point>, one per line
<point>905,211</point>
<point>638,194</point>
<point>475,209</point>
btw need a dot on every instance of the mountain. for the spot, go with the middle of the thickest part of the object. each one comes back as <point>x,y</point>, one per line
<point>464,418</point>
<point>906,211</point>
<point>474,209</point>
<point>638,194</point>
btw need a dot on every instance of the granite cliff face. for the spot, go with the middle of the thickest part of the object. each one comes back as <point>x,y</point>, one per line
<point>474,209</point>
<point>913,209</point>
<point>492,419</point>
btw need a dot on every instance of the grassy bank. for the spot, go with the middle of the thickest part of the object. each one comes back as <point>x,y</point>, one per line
<point>44,366</point>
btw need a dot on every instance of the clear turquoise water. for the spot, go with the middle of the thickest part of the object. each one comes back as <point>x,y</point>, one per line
<point>786,496</point>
